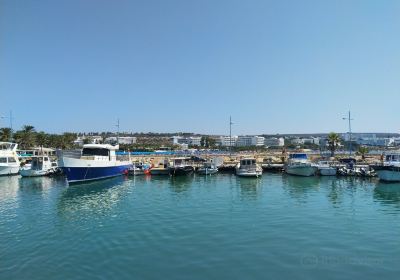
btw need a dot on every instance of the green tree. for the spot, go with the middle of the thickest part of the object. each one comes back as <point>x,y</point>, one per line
<point>362,150</point>
<point>333,142</point>
<point>5,134</point>
<point>26,137</point>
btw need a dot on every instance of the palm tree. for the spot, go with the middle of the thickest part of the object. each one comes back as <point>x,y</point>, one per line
<point>333,141</point>
<point>362,150</point>
<point>26,137</point>
<point>5,134</point>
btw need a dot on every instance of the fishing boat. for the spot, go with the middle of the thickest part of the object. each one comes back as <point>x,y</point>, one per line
<point>248,167</point>
<point>208,168</point>
<point>389,170</point>
<point>325,169</point>
<point>9,162</point>
<point>299,165</point>
<point>39,166</point>
<point>96,161</point>
<point>181,166</point>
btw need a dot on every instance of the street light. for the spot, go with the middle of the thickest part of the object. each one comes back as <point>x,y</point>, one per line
<point>230,136</point>
<point>349,119</point>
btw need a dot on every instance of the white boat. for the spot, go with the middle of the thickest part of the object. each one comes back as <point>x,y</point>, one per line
<point>325,169</point>
<point>96,161</point>
<point>389,170</point>
<point>9,162</point>
<point>208,168</point>
<point>248,167</point>
<point>299,165</point>
<point>39,166</point>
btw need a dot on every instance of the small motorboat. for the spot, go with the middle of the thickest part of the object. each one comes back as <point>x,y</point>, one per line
<point>248,167</point>
<point>325,169</point>
<point>208,168</point>
<point>389,169</point>
<point>299,165</point>
<point>40,166</point>
<point>181,166</point>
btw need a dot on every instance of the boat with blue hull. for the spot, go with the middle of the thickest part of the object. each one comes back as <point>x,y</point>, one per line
<point>96,161</point>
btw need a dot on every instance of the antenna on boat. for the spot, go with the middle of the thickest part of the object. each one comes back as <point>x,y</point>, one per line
<point>349,119</point>
<point>117,131</point>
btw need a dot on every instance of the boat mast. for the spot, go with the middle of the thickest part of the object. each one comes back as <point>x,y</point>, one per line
<point>350,138</point>
<point>117,131</point>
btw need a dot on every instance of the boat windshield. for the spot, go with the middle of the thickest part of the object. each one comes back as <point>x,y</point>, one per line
<point>248,162</point>
<point>95,152</point>
<point>298,156</point>
<point>7,146</point>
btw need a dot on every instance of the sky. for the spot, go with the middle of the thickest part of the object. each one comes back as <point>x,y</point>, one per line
<point>182,65</point>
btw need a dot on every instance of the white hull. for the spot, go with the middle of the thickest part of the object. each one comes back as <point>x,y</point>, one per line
<point>207,171</point>
<point>9,170</point>
<point>33,173</point>
<point>388,175</point>
<point>305,171</point>
<point>327,171</point>
<point>248,173</point>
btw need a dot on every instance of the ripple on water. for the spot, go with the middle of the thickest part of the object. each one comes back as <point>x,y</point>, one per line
<point>277,226</point>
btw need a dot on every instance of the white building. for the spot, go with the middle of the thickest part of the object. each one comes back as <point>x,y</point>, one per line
<point>128,140</point>
<point>225,141</point>
<point>247,140</point>
<point>274,142</point>
<point>190,141</point>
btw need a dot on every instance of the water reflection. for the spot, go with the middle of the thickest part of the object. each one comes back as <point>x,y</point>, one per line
<point>388,194</point>
<point>96,198</point>
<point>180,184</point>
<point>299,187</point>
<point>40,185</point>
<point>249,187</point>
<point>8,187</point>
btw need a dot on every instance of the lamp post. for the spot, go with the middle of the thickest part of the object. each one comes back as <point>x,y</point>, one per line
<point>230,136</point>
<point>349,119</point>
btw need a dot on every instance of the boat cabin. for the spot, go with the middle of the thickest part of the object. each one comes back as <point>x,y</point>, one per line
<point>393,157</point>
<point>99,152</point>
<point>7,146</point>
<point>41,163</point>
<point>247,162</point>
<point>181,161</point>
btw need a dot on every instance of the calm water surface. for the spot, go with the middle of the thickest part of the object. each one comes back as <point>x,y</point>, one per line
<point>276,227</point>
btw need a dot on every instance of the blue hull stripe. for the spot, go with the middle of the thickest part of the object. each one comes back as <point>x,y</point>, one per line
<point>80,174</point>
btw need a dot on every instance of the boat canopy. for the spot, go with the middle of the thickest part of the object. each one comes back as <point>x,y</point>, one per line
<point>298,156</point>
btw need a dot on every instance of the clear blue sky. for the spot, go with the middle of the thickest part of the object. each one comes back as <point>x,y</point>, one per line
<point>166,66</point>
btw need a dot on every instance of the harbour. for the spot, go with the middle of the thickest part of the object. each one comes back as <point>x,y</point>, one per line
<point>146,226</point>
